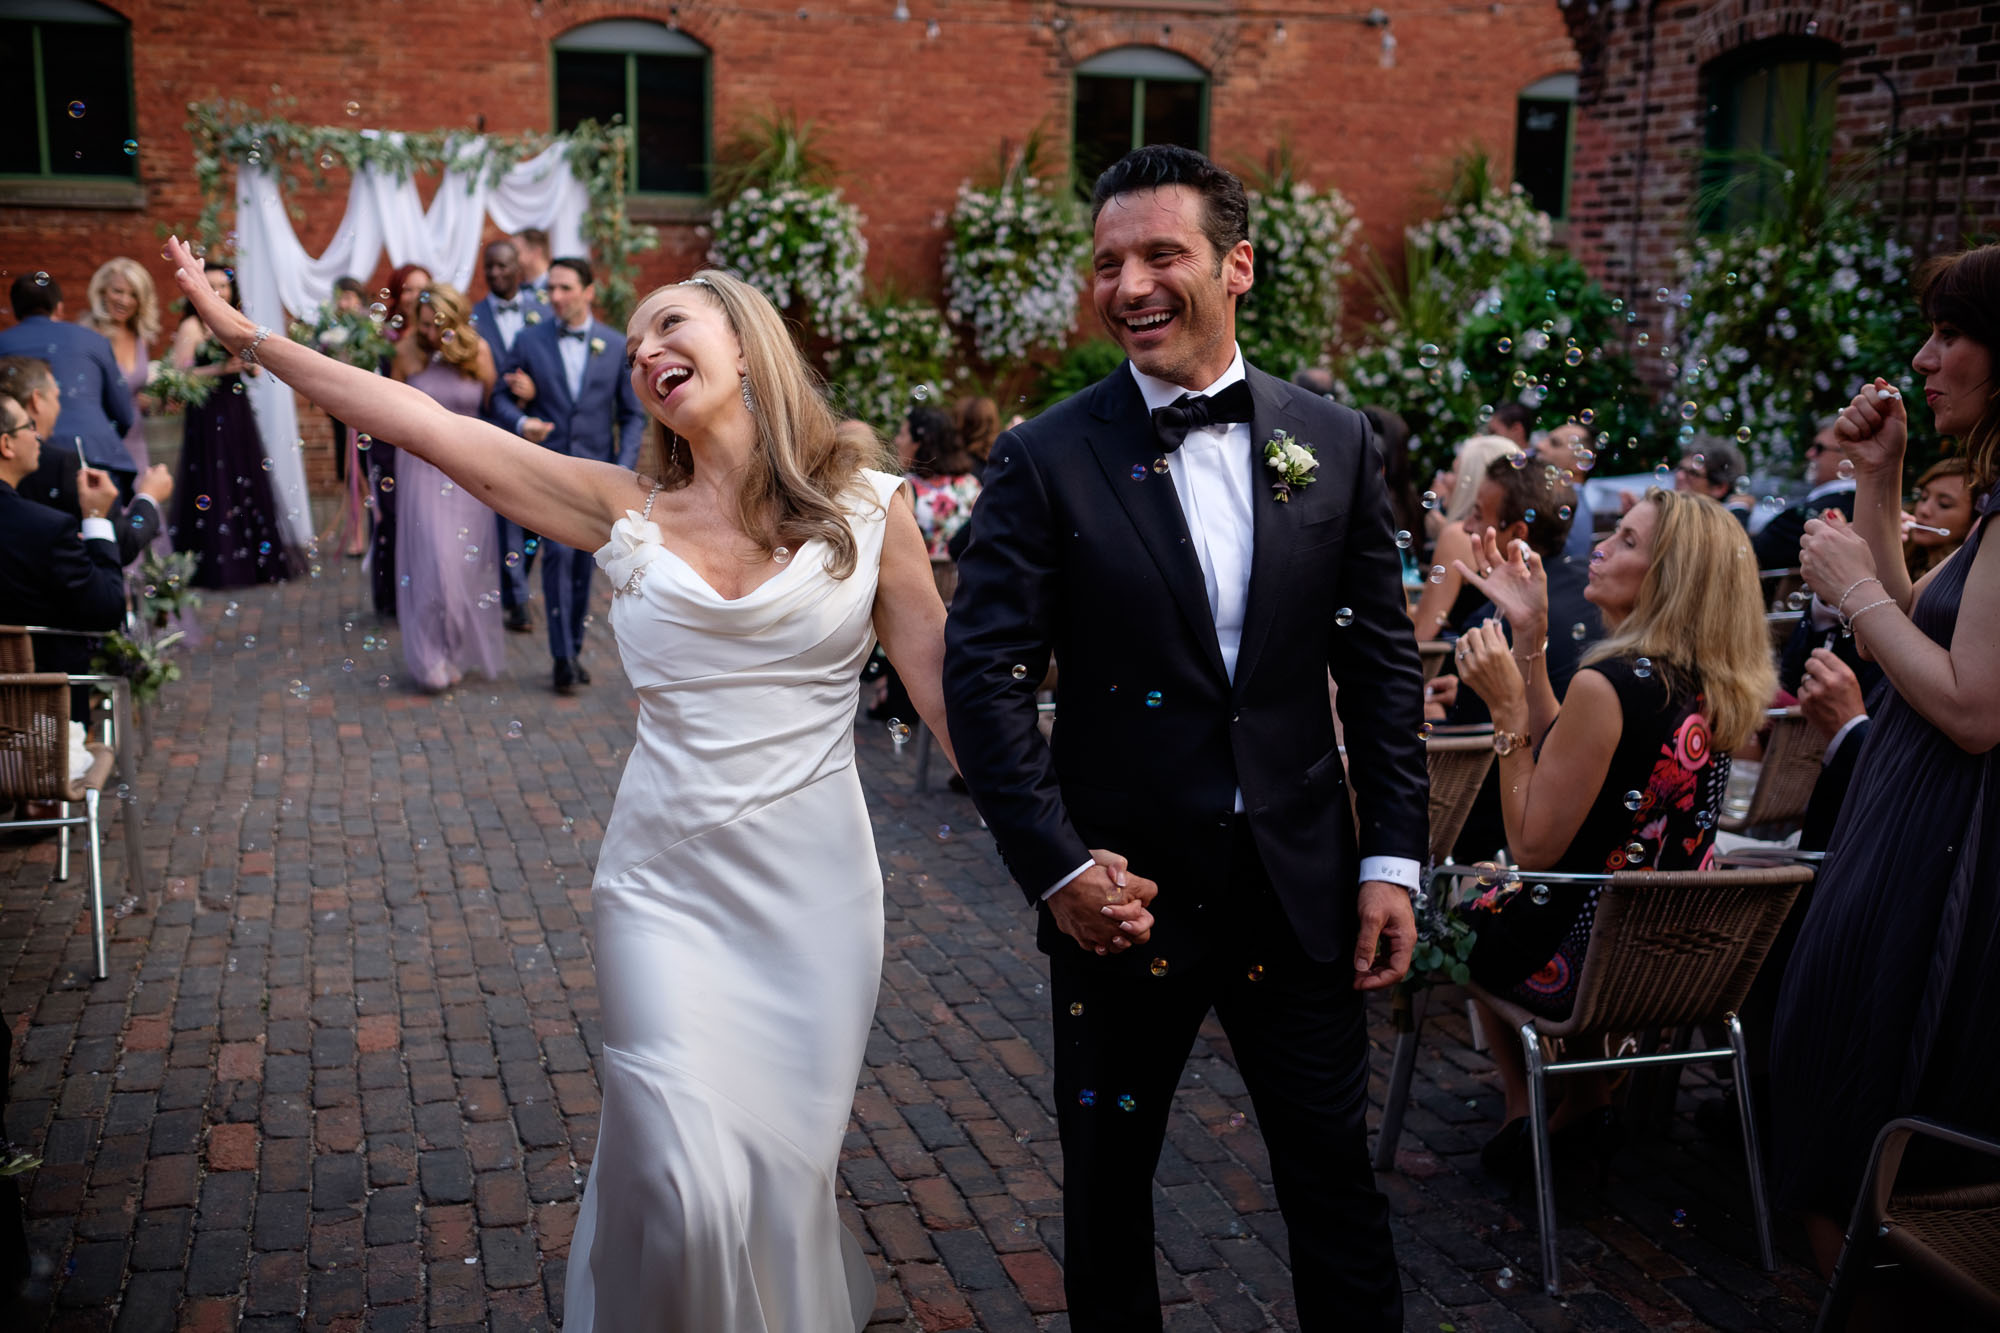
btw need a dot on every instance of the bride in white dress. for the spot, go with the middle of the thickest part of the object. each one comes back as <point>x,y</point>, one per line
<point>738,901</point>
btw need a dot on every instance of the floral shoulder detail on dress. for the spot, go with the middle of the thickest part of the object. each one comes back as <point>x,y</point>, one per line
<point>635,543</point>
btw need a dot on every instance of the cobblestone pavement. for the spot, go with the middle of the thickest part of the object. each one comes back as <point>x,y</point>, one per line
<point>341,1074</point>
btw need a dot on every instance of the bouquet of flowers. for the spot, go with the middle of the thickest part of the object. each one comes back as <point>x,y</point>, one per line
<point>176,389</point>
<point>143,663</point>
<point>349,336</point>
<point>167,585</point>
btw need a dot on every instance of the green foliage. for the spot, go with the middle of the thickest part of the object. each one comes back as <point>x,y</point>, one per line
<point>1300,237</point>
<point>891,357</point>
<point>140,662</point>
<point>1013,266</point>
<point>167,586</point>
<point>177,389</point>
<point>353,337</point>
<point>231,133</point>
<point>770,151</point>
<point>1079,367</point>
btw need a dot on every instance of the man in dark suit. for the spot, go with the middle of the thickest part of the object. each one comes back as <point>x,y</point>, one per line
<point>501,315</point>
<point>533,246</point>
<point>1777,542</point>
<point>583,406</point>
<point>1197,598</point>
<point>55,571</point>
<point>97,407</point>
<point>29,381</point>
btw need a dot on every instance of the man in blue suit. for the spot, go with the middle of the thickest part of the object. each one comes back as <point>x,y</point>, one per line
<point>97,407</point>
<point>584,407</point>
<point>501,315</point>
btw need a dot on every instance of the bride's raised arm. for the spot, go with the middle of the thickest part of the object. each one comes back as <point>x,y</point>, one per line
<point>570,500</point>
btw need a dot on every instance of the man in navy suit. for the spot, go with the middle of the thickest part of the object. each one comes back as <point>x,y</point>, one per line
<point>501,315</point>
<point>584,407</point>
<point>97,406</point>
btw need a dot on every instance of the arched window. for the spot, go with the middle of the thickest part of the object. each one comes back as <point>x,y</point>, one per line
<point>656,78</point>
<point>1772,98</point>
<point>66,93</point>
<point>1133,96</point>
<point>1543,119</point>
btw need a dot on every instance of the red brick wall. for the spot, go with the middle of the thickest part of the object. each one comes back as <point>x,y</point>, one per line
<point>906,116</point>
<point>1641,119</point>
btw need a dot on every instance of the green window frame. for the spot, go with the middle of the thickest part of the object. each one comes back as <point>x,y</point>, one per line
<point>649,58</point>
<point>49,143</point>
<point>1545,150</point>
<point>1153,86</point>
<point>1761,97</point>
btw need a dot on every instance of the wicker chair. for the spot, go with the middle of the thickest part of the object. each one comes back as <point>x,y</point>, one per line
<point>1949,1238</point>
<point>1458,767</point>
<point>1435,653</point>
<point>1792,763</point>
<point>1667,950</point>
<point>34,766</point>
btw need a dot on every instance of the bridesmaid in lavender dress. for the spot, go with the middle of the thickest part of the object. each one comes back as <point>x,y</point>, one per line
<point>447,563</point>
<point>125,309</point>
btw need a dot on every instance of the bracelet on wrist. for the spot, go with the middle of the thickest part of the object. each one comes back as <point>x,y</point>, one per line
<point>248,356</point>
<point>1841,602</point>
<point>1853,619</point>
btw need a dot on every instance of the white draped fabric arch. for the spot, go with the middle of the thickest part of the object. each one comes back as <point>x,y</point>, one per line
<point>279,280</point>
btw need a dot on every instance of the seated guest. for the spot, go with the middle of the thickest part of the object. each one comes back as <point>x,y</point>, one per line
<point>1448,600</point>
<point>1517,505</point>
<point>940,474</point>
<point>1628,772</point>
<point>1942,517</point>
<point>1715,468</point>
<point>1514,421</point>
<point>1559,448</point>
<point>55,571</point>
<point>97,409</point>
<point>29,381</point>
<point>1777,542</point>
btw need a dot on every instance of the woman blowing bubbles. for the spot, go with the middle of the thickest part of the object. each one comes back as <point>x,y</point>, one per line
<point>737,902</point>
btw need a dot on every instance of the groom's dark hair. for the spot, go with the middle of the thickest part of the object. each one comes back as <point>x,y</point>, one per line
<point>1226,210</point>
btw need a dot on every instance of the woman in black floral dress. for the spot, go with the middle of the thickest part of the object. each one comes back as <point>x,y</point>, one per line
<point>1628,772</point>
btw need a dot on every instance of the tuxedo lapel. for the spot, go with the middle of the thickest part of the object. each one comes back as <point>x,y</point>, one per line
<point>1126,447</point>
<point>1275,523</point>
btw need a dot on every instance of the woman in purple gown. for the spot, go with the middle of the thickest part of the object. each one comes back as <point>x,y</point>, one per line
<point>1892,996</point>
<point>447,563</point>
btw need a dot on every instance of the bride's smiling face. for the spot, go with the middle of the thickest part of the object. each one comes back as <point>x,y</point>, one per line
<point>687,363</point>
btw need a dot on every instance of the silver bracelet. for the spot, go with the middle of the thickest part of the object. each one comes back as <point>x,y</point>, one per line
<point>1850,590</point>
<point>1886,601</point>
<point>248,356</point>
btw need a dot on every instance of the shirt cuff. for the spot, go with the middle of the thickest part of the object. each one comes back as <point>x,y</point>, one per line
<point>1064,881</point>
<point>1833,746</point>
<point>1398,870</point>
<point>99,530</point>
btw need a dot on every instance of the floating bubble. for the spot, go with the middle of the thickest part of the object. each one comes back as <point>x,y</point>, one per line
<point>1573,357</point>
<point>1586,417</point>
<point>1661,294</point>
<point>1138,472</point>
<point>76,110</point>
<point>1517,460</point>
<point>131,148</point>
<point>1161,466</point>
<point>1663,475</point>
<point>1846,469</point>
<point>1529,515</point>
<point>1153,699</point>
<point>1635,850</point>
<point>1643,339</point>
<point>354,108</point>
<point>1427,356</point>
<point>1564,512</point>
<point>1018,672</point>
<point>782,555</point>
<point>388,485</point>
<point>1126,1102</point>
<point>1158,967</point>
<point>1504,346</point>
<point>1539,895</point>
<point>899,730</point>
<point>1430,499</point>
<point>1344,617</point>
<point>1424,732</point>
<point>1633,800</point>
<point>1256,972</point>
<point>1504,1279</point>
<point>944,833</point>
<point>1087,1097</point>
<point>1402,540</point>
<point>1680,1217</point>
<point>921,392</point>
<point>1076,1009</point>
<point>1643,668</point>
<point>1437,574</point>
<point>513,559</point>
<point>1688,411</point>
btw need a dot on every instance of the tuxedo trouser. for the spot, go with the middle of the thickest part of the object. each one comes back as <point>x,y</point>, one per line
<point>566,574</point>
<point>1298,1031</point>
<point>517,559</point>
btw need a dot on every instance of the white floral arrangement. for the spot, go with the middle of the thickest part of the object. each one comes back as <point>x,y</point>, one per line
<point>1428,384</point>
<point>1301,237</point>
<point>795,243</point>
<point>1014,266</point>
<point>1777,335</point>
<point>1471,243</point>
<point>891,357</point>
<point>1293,462</point>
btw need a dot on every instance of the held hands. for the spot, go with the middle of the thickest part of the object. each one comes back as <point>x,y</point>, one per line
<point>1834,558</point>
<point>1874,427</point>
<point>1387,937</point>
<point>95,492</point>
<point>1104,908</point>
<point>535,430</point>
<point>1829,694</point>
<point>1515,582</point>
<point>1486,663</point>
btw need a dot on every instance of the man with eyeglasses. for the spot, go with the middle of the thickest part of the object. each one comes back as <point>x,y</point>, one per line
<point>1778,543</point>
<point>55,571</point>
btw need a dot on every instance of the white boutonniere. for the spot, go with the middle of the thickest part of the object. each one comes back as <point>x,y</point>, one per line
<point>533,317</point>
<point>597,346</point>
<point>1292,461</point>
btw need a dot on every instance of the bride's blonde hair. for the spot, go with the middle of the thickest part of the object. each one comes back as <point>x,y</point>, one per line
<point>803,465</point>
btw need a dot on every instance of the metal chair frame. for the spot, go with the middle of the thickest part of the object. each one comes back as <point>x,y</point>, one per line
<point>1541,1069</point>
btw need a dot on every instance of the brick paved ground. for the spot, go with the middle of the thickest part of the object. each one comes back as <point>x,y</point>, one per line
<point>341,1075</point>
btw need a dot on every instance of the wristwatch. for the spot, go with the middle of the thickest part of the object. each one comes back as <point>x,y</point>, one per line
<point>1506,742</point>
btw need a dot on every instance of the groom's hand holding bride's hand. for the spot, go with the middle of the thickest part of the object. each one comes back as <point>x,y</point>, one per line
<point>1387,938</point>
<point>1104,908</point>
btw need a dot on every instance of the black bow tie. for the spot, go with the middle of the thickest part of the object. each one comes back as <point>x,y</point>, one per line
<point>514,306</point>
<point>1192,412</point>
<point>578,334</point>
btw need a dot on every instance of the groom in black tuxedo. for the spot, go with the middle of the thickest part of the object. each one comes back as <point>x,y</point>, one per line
<point>1187,836</point>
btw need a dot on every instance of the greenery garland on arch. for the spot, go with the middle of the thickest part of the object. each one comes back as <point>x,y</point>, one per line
<point>228,134</point>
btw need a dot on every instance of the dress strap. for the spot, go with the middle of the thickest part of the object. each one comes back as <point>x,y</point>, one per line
<point>651,495</point>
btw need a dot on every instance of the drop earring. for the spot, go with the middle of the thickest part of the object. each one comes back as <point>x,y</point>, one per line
<point>749,402</point>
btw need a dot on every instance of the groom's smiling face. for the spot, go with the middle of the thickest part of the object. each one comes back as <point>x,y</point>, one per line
<point>1166,297</point>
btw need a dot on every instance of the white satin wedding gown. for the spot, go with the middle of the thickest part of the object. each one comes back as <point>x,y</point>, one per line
<point>738,909</point>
